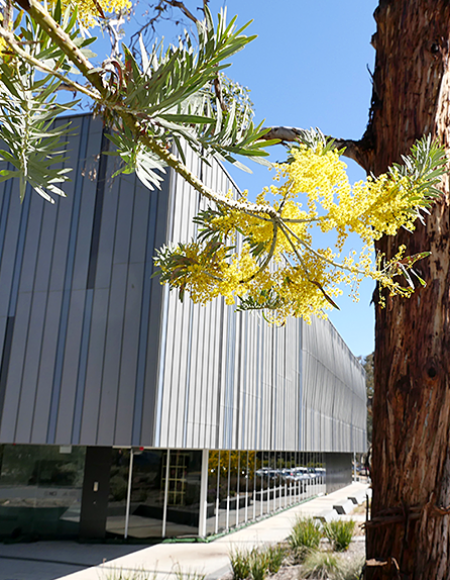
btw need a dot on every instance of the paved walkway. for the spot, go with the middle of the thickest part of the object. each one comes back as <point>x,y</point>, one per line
<point>73,561</point>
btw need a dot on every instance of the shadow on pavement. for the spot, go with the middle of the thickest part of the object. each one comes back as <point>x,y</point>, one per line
<point>52,560</point>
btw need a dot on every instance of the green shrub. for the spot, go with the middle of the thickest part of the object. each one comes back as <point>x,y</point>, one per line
<point>339,534</point>
<point>321,566</point>
<point>306,535</point>
<point>275,556</point>
<point>259,565</point>
<point>241,564</point>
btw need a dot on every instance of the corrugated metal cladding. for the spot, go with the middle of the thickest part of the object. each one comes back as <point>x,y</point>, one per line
<point>96,352</point>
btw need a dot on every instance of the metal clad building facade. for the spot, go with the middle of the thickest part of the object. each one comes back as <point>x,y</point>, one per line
<point>96,353</point>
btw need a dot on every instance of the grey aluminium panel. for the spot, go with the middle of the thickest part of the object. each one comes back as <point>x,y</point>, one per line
<point>128,366</point>
<point>112,357</point>
<point>14,381</point>
<point>94,370</point>
<point>31,368</point>
<point>46,368</point>
<point>65,412</point>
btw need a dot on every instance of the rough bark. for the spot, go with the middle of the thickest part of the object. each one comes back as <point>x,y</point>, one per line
<point>409,535</point>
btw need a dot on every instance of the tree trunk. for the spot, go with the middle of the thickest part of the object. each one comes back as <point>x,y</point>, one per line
<point>409,535</point>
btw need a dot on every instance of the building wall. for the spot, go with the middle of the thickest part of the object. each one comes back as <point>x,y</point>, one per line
<point>96,352</point>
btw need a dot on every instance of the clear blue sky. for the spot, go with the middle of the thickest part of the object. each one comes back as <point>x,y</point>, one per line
<point>308,67</point>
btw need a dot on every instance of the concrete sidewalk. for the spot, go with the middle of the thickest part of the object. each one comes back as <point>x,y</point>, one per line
<point>72,561</point>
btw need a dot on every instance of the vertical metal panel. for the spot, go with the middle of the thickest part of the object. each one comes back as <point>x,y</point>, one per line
<point>46,368</point>
<point>87,207</point>
<point>131,334</point>
<point>9,250</point>
<point>128,367</point>
<point>65,282</point>
<point>70,365</point>
<point>143,359</point>
<point>15,371</point>
<point>94,369</point>
<point>116,311</point>
<point>31,243</point>
<point>112,357</point>
<point>155,342</point>
<point>82,367</point>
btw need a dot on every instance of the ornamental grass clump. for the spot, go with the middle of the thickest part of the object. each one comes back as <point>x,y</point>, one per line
<point>305,536</point>
<point>241,561</point>
<point>259,566</point>
<point>275,556</point>
<point>339,533</point>
<point>322,566</point>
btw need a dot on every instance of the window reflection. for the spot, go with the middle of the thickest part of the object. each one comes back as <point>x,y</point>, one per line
<point>148,485</point>
<point>246,485</point>
<point>40,490</point>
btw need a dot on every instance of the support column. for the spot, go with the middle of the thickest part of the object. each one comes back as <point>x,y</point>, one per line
<point>94,500</point>
<point>130,483</point>
<point>203,494</point>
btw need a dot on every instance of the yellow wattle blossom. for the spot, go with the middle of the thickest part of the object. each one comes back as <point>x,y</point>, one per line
<point>89,11</point>
<point>272,262</point>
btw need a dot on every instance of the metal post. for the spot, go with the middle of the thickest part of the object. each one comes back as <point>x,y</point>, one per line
<point>166,495</point>
<point>203,494</point>
<point>354,465</point>
<point>130,482</point>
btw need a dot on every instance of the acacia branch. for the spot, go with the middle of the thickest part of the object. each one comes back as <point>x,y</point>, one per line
<point>68,83</point>
<point>360,151</point>
<point>183,8</point>
<point>74,54</point>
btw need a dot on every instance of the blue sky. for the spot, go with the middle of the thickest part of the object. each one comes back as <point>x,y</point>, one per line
<point>307,68</point>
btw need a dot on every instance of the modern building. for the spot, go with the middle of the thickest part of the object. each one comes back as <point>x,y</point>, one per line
<point>125,412</point>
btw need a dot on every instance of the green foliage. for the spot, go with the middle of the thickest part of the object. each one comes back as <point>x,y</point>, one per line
<point>256,563</point>
<point>32,144</point>
<point>339,533</point>
<point>240,561</point>
<point>259,564</point>
<point>171,92</point>
<point>275,557</point>
<point>424,166</point>
<point>312,138</point>
<point>321,566</point>
<point>165,97</point>
<point>306,535</point>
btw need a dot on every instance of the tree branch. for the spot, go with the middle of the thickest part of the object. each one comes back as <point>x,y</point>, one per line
<point>360,151</point>
<point>67,83</point>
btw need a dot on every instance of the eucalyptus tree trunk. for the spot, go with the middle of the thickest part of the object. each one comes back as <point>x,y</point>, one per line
<point>409,535</point>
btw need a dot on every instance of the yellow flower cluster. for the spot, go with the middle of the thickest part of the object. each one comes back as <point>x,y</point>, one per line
<point>89,11</point>
<point>274,264</point>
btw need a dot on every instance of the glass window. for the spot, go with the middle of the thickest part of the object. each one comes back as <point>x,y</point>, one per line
<point>183,501</point>
<point>118,488</point>
<point>258,486</point>
<point>148,485</point>
<point>40,490</point>
<point>233,500</point>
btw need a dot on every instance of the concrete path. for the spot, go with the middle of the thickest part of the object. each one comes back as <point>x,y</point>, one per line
<point>73,561</point>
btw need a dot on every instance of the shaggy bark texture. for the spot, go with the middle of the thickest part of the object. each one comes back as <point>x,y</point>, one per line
<point>409,534</point>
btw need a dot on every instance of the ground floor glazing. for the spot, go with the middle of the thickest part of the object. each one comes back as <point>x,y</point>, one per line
<point>139,494</point>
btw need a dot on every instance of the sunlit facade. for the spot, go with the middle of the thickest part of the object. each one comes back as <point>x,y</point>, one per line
<point>127,413</point>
